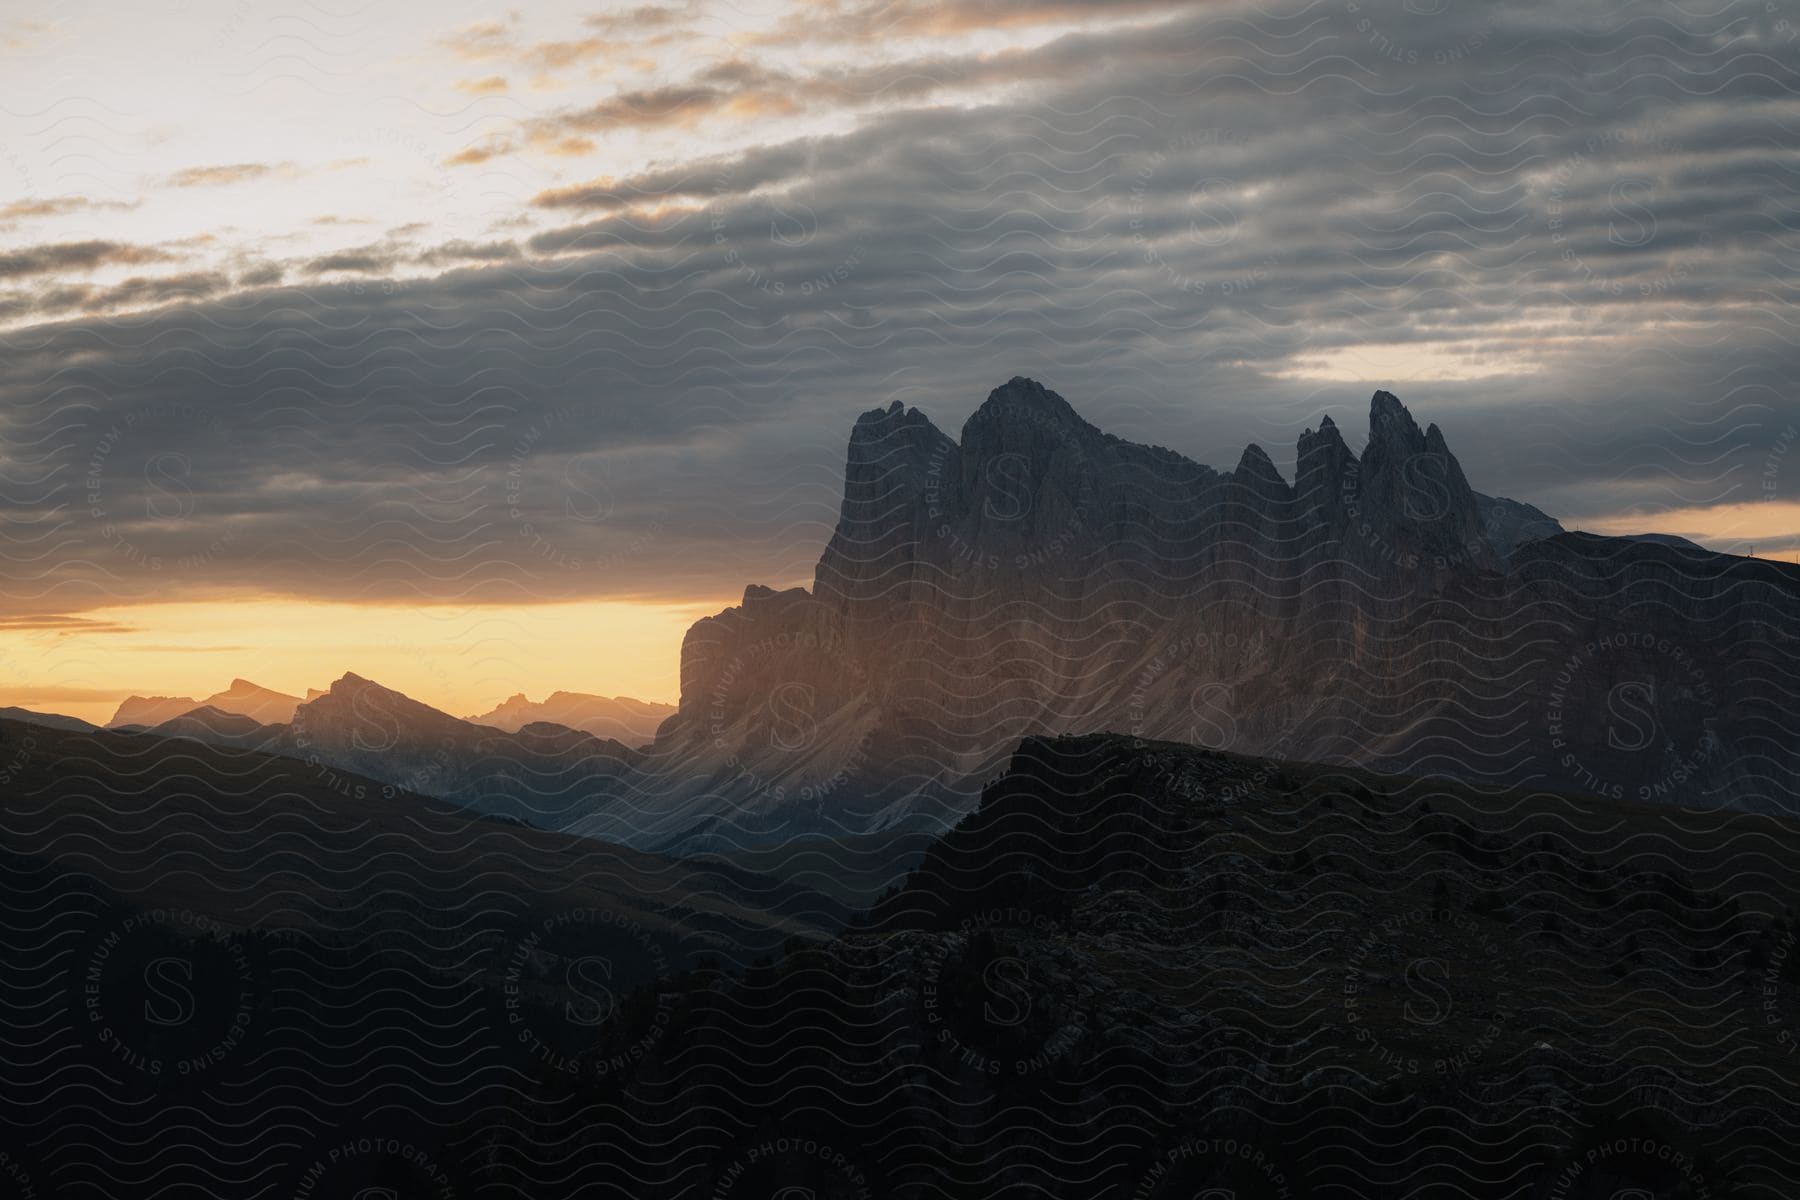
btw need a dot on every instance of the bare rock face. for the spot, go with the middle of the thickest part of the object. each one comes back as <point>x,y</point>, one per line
<point>775,724</point>
<point>1038,576</point>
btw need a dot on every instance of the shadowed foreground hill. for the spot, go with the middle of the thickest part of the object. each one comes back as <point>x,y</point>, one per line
<point>221,964</point>
<point>1142,969</point>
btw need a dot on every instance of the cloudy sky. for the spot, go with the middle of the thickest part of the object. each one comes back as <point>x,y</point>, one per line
<point>480,350</point>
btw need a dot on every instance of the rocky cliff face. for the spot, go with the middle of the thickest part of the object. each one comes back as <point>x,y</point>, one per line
<point>1040,576</point>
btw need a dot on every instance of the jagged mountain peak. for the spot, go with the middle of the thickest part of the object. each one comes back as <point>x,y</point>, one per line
<point>1255,461</point>
<point>351,686</point>
<point>1022,412</point>
<point>1021,390</point>
<point>1392,431</point>
<point>878,425</point>
<point>1386,409</point>
<point>1257,472</point>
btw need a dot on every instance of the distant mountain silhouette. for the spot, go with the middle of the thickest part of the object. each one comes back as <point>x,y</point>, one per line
<point>621,718</point>
<point>541,773</point>
<point>1674,541</point>
<point>1039,576</point>
<point>217,727</point>
<point>49,720</point>
<point>244,698</point>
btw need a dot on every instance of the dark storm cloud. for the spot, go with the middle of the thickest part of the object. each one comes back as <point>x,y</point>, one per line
<point>1203,232</point>
<point>739,89</point>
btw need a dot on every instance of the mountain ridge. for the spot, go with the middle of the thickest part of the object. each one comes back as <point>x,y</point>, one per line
<point>1042,577</point>
<point>622,718</point>
<point>1039,576</point>
<point>241,696</point>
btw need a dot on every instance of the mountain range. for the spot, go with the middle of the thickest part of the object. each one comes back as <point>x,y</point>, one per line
<point>1191,832</point>
<point>622,718</point>
<point>1038,576</point>
<point>243,698</point>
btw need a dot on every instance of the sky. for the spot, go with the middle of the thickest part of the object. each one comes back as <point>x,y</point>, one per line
<point>480,350</point>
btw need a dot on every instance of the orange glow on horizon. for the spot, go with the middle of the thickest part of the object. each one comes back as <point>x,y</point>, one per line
<point>463,660</point>
<point>1772,526</point>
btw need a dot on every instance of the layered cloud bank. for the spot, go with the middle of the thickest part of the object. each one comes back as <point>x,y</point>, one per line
<point>623,372</point>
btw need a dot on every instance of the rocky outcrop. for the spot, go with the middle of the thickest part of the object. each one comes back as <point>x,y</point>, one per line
<point>777,722</point>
